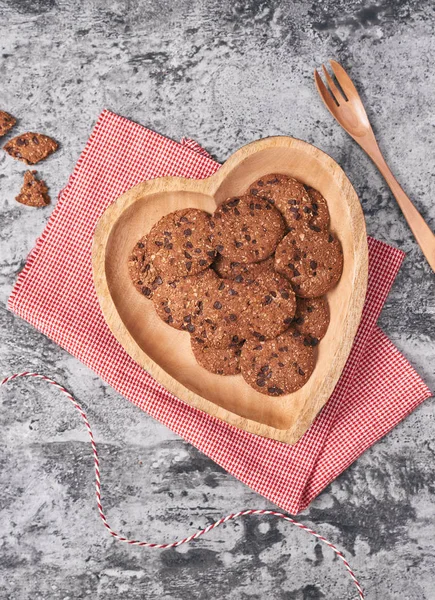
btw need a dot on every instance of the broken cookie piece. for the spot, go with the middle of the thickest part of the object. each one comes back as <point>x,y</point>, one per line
<point>7,121</point>
<point>34,192</point>
<point>30,147</point>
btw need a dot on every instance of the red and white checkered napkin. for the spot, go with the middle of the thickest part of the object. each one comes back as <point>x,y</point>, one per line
<point>55,293</point>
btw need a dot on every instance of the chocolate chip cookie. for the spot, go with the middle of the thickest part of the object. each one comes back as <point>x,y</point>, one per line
<point>279,366</point>
<point>241,272</point>
<point>223,303</point>
<point>142,272</point>
<point>248,229</point>
<point>182,243</point>
<point>30,147</point>
<point>271,309</point>
<point>298,205</point>
<point>311,260</point>
<point>7,121</point>
<point>222,361</point>
<point>34,192</point>
<point>312,318</point>
<point>179,302</point>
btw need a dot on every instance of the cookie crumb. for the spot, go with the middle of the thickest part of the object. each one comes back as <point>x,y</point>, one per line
<point>31,147</point>
<point>34,192</point>
<point>7,121</point>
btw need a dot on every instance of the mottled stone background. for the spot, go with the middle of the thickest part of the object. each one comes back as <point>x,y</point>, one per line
<point>224,72</point>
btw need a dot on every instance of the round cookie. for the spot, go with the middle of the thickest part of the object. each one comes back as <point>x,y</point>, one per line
<point>179,303</point>
<point>298,205</point>
<point>222,361</point>
<point>311,260</point>
<point>312,319</point>
<point>277,367</point>
<point>247,229</point>
<point>223,303</point>
<point>318,209</point>
<point>141,270</point>
<point>271,309</point>
<point>241,272</point>
<point>181,243</point>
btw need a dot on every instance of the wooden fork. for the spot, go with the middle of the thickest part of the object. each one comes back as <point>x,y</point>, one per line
<point>349,111</point>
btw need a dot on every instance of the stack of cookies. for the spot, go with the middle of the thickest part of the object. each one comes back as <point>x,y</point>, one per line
<point>248,283</point>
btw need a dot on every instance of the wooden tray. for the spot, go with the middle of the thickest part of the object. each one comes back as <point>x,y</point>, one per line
<point>165,352</point>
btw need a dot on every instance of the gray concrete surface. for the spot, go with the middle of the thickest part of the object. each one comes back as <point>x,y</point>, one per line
<point>224,72</point>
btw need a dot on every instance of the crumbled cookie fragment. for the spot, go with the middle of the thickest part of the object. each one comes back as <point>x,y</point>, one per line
<point>34,191</point>
<point>30,147</point>
<point>7,121</point>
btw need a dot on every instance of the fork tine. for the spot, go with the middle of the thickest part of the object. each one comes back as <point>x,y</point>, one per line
<point>343,79</point>
<point>325,93</point>
<point>334,89</point>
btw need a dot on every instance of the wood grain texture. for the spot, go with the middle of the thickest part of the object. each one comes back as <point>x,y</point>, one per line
<point>165,353</point>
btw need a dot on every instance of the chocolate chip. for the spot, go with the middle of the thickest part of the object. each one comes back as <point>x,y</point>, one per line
<point>158,280</point>
<point>237,212</point>
<point>146,291</point>
<point>189,245</point>
<point>221,286</point>
<point>233,292</point>
<point>259,347</point>
<point>189,265</point>
<point>301,372</point>
<point>310,309</point>
<point>159,244</point>
<point>187,255</point>
<point>260,182</point>
<point>288,320</point>
<point>202,262</point>
<point>233,202</point>
<point>198,250</point>
<point>220,248</point>
<point>260,382</point>
<point>20,142</point>
<point>184,220</point>
<point>330,238</point>
<point>217,305</point>
<point>170,319</point>
<point>187,232</point>
<point>238,244</point>
<point>233,318</point>
<point>247,238</point>
<point>285,295</point>
<point>313,264</point>
<point>275,391</point>
<point>280,364</point>
<point>268,300</point>
<point>190,328</point>
<point>253,191</point>
<point>315,228</point>
<point>211,253</point>
<point>296,273</point>
<point>167,310</point>
<point>283,349</point>
<point>140,245</point>
<point>238,279</point>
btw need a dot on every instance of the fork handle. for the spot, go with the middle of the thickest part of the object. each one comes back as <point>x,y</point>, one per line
<point>419,227</point>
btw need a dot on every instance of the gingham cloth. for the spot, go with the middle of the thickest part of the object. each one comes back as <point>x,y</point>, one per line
<point>55,293</point>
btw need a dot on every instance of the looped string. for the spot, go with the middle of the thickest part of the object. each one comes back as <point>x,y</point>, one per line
<point>194,536</point>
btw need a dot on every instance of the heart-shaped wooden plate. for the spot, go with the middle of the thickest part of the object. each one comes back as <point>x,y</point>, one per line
<point>165,352</point>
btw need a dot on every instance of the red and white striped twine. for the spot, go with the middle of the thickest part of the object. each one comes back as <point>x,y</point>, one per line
<point>194,536</point>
